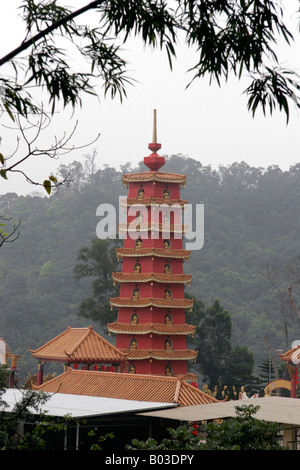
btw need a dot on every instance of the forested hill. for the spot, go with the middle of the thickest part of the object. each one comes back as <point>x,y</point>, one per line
<point>251,220</point>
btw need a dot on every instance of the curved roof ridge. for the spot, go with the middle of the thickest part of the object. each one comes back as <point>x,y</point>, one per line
<point>80,341</point>
<point>50,341</point>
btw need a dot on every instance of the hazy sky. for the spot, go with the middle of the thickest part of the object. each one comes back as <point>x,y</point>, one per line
<point>205,122</point>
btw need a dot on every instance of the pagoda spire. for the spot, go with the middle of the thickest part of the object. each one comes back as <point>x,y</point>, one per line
<point>154,161</point>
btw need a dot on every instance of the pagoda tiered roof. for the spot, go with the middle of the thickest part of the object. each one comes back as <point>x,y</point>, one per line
<point>159,176</point>
<point>126,386</point>
<point>151,302</point>
<point>146,328</point>
<point>149,201</point>
<point>159,252</point>
<point>78,345</point>
<point>155,277</point>
<point>153,226</point>
<point>160,354</point>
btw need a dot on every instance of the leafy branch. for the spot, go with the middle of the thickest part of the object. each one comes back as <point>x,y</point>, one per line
<point>8,236</point>
<point>29,132</point>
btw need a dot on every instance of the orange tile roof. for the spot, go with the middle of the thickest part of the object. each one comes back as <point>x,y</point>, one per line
<point>291,355</point>
<point>145,227</point>
<point>149,302</point>
<point>125,386</point>
<point>156,277</point>
<point>78,345</point>
<point>159,176</point>
<point>145,328</point>
<point>160,354</point>
<point>148,201</point>
<point>159,252</point>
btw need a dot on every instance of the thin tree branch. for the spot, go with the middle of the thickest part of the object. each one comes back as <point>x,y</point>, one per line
<point>26,44</point>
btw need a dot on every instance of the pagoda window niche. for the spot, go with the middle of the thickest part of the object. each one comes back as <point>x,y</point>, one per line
<point>166,194</point>
<point>167,294</point>
<point>138,243</point>
<point>141,194</point>
<point>167,244</point>
<point>168,319</point>
<point>133,344</point>
<point>136,294</point>
<point>168,345</point>
<point>134,319</point>
<point>167,269</point>
<point>131,369</point>
<point>137,268</point>
<point>168,371</point>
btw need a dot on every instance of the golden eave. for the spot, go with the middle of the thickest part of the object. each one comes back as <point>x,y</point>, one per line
<point>152,277</point>
<point>149,201</point>
<point>159,252</point>
<point>159,176</point>
<point>151,302</point>
<point>160,354</point>
<point>146,328</point>
<point>154,227</point>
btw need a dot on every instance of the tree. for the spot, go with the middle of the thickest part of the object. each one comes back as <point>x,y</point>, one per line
<point>285,278</point>
<point>98,261</point>
<point>219,362</point>
<point>29,410</point>
<point>214,334</point>
<point>244,432</point>
<point>231,37</point>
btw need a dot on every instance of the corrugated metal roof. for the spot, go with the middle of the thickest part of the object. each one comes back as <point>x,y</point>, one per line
<point>272,409</point>
<point>79,406</point>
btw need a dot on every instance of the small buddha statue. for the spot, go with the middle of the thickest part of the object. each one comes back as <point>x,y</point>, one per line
<point>133,344</point>
<point>167,294</point>
<point>131,369</point>
<point>166,194</point>
<point>168,345</point>
<point>141,194</point>
<point>134,319</point>
<point>167,269</point>
<point>242,394</point>
<point>168,320</point>
<point>137,268</point>
<point>136,294</point>
<point>166,244</point>
<point>168,371</point>
<point>139,243</point>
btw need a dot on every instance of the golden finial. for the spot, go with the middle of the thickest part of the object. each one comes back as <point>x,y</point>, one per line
<point>154,139</point>
<point>154,161</point>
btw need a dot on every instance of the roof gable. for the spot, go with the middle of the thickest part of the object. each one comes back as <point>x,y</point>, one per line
<point>78,345</point>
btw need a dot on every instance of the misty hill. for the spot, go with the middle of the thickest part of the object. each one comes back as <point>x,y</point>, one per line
<point>251,220</point>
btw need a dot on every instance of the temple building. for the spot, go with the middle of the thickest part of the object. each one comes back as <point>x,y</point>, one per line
<point>151,329</point>
<point>81,348</point>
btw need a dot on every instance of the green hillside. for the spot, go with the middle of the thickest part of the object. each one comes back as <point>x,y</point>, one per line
<point>251,221</point>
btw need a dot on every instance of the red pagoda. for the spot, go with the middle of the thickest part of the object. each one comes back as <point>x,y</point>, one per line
<point>151,330</point>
